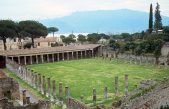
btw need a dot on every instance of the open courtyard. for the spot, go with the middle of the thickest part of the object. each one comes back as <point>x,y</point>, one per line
<point>81,76</point>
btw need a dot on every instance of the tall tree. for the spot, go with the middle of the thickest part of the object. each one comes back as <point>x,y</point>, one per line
<point>151,19</point>
<point>33,29</point>
<point>7,30</point>
<point>158,19</point>
<point>52,30</point>
<point>81,38</point>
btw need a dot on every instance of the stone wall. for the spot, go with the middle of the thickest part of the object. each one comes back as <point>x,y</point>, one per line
<point>74,104</point>
<point>40,105</point>
<point>154,99</point>
<point>9,88</point>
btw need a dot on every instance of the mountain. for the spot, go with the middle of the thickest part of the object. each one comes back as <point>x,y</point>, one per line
<point>113,21</point>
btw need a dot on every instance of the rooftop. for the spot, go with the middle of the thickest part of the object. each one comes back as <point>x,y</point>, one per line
<point>35,51</point>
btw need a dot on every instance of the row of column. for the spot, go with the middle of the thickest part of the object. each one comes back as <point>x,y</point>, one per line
<point>44,85</point>
<point>53,57</point>
<point>116,89</point>
<point>47,87</point>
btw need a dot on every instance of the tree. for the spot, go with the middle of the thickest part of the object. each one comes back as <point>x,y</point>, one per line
<point>69,39</point>
<point>93,38</point>
<point>158,19</point>
<point>33,29</point>
<point>81,38</point>
<point>151,19</point>
<point>7,30</point>
<point>52,30</point>
<point>157,51</point>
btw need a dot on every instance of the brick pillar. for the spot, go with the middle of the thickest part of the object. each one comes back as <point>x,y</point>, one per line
<point>25,60</point>
<point>106,93</point>
<point>40,83</point>
<point>60,90</point>
<point>37,59</point>
<point>126,85</point>
<point>67,91</point>
<point>44,85</point>
<point>94,95</point>
<point>54,89</point>
<point>53,59</point>
<point>116,86</point>
<point>24,96</point>
<point>49,90</point>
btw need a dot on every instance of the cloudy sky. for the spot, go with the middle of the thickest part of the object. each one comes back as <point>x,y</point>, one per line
<point>45,9</point>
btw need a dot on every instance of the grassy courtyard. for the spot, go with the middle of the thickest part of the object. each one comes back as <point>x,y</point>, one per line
<point>84,75</point>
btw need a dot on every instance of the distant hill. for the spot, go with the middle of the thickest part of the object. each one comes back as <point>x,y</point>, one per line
<point>114,21</point>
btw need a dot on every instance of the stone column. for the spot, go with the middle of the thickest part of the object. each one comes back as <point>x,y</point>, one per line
<point>25,60</point>
<point>77,56</point>
<point>63,56</point>
<point>57,56</point>
<point>49,91</point>
<point>12,58</point>
<point>40,83</point>
<point>92,53</point>
<point>81,98</point>
<point>48,57</point>
<point>67,91</point>
<point>24,97</point>
<point>37,61</point>
<point>116,86</point>
<point>44,85</point>
<point>28,100</point>
<point>19,61</point>
<point>94,96</point>
<point>60,90</point>
<point>53,59</point>
<point>42,58</point>
<point>126,85</point>
<point>54,89</point>
<point>81,54</point>
<point>67,55</point>
<point>31,59</point>
<point>72,56</point>
<point>106,93</point>
<point>85,53</point>
<point>36,80</point>
<point>32,79</point>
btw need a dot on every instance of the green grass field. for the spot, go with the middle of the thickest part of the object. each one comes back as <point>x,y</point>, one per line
<point>84,75</point>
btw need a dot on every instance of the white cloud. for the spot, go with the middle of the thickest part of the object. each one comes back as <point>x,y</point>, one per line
<point>42,9</point>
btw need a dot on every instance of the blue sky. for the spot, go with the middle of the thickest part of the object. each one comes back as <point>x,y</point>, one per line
<point>45,9</point>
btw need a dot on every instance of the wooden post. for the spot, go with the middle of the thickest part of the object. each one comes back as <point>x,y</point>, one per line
<point>54,89</point>
<point>49,91</point>
<point>24,97</point>
<point>44,86</point>
<point>106,93</point>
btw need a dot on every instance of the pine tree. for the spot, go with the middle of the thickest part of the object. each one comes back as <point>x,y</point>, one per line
<point>151,19</point>
<point>158,19</point>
